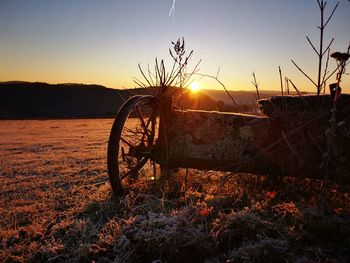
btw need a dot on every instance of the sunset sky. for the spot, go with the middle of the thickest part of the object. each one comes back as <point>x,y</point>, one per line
<point>102,42</point>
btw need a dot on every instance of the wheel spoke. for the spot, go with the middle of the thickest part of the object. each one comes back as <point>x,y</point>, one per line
<point>151,116</point>
<point>149,133</point>
<point>152,121</point>
<point>134,169</point>
<point>141,118</point>
<point>123,154</point>
<point>126,142</point>
<point>136,136</point>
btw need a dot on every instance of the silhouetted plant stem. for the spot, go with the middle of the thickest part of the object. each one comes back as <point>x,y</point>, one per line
<point>280,71</point>
<point>320,53</point>
<point>287,84</point>
<point>323,86</point>
<point>321,79</point>
<point>161,79</point>
<point>341,59</point>
<point>256,85</point>
<point>301,95</point>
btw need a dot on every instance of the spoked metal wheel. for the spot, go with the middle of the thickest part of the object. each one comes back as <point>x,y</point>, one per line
<point>130,156</point>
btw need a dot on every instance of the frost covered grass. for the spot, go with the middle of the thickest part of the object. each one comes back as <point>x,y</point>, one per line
<point>56,206</point>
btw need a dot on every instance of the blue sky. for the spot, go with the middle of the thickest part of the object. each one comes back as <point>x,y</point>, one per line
<point>102,42</point>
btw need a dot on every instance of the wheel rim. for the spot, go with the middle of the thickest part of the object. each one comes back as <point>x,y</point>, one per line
<point>131,160</point>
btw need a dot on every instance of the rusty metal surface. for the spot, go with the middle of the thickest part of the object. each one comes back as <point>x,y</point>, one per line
<point>282,146</point>
<point>314,148</point>
<point>216,140</point>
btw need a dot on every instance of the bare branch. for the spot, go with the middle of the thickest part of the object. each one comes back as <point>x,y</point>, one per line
<point>194,71</point>
<point>303,73</point>
<point>163,72</point>
<point>172,79</point>
<point>217,73</point>
<point>312,45</point>
<point>156,74</point>
<point>144,76</point>
<point>329,45</point>
<point>139,83</point>
<point>329,18</point>
<point>330,75</point>
<point>151,75</point>
<point>301,95</point>
<point>222,84</point>
<point>319,4</point>
<point>172,70</point>
<point>325,68</point>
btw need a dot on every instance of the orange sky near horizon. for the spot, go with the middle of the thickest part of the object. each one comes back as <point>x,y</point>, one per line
<point>103,42</point>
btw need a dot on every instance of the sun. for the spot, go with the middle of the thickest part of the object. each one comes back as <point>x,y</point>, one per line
<point>194,87</point>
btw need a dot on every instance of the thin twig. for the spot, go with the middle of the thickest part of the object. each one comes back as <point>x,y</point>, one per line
<point>256,85</point>
<point>320,52</point>
<point>301,96</point>
<point>144,76</point>
<point>280,71</point>
<point>222,84</point>
<point>303,72</point>
<point>150,75</point>
<point>312,45</point>
<point>329,45</point>
<point>287,84</point>
<point>329,18</point>
<point>290,146</point>
<point>323,84</point>
<point>194,71</point>
<point>217,73</point>
<point>330,75</point>
<point>139,83</point>
<point>319,4</point>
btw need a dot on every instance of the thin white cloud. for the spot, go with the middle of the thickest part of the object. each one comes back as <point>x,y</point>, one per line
<point>172,10</point>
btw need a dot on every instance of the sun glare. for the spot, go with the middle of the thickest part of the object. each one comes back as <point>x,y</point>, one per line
<point>194,87</point>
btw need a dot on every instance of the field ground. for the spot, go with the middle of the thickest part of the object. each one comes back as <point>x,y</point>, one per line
<point>56,206</point>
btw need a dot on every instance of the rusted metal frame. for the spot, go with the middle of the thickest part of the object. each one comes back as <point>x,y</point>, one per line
<point>265,150</point>
<point>290,146</point>
<point>331,160</point>
<point>165,106</point>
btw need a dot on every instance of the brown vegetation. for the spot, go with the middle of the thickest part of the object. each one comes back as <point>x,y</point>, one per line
<point>56,206</point>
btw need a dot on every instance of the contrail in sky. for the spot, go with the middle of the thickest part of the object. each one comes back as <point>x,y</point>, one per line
<point>172,10</point>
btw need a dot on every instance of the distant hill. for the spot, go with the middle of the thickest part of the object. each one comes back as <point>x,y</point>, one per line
<point>22,100</point>
<point>241,97</point>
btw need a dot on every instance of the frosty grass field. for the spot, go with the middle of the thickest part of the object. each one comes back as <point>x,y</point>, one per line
<point>47,168</point>
<point>56,206</point>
